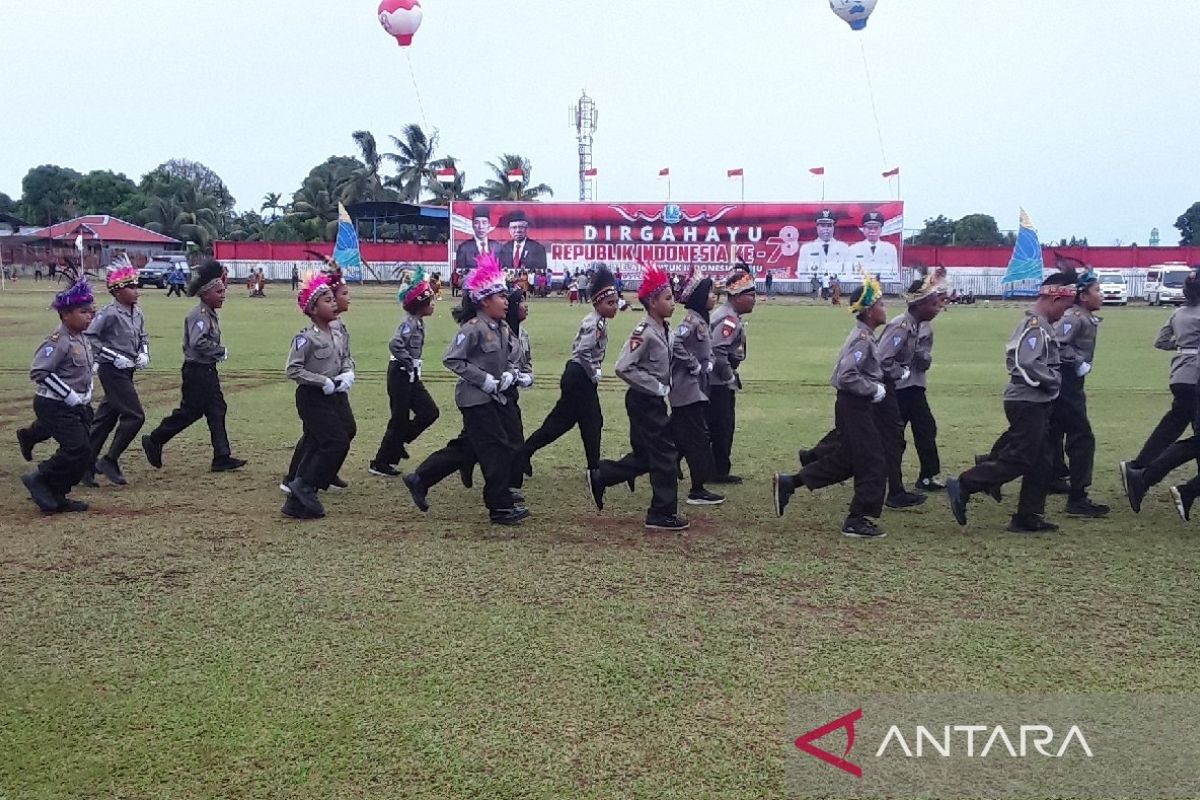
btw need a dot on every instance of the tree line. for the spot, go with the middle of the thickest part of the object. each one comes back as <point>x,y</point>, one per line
<point>187,200</point>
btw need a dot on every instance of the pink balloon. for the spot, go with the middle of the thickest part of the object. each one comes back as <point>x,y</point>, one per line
<point>401,19</point>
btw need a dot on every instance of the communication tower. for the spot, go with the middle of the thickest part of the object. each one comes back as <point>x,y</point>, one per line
<point>583,118</point>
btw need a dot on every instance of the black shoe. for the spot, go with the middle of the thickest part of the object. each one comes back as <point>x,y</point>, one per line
<point>1084,507</point>
<point>958,501</point>
<point>508,516</point>
<point>111,470</point>
<point>782,489</point>
<point>1183,501</point>
<point>417,490</point>
<point>1135,485</point>
<point>733,480</point>
<point>68,506</point>
<point>595,491</point>
<point>467,474</point>
<point>383,470</point>
<point>1034,524</point>
<point>806,457</point>
<point>227,463</point>
<point>905,500</point>
<point>930,485</point>
<point>40,492</point>
<point>283,484</point>
<point>672,522</point>
<point>306,496</point>
<point>516,496</point>
<point>25,441</point>
<point>89,480</point>
<point>861,528</point>
<point>703,497</point>
<point>1058,486</point>
<point>629,483</point>
<point>295,509</point>
<point>153,452</point>
<point>336,484</point>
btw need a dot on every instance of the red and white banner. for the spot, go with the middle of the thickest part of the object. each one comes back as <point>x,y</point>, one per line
<point>784,238</point>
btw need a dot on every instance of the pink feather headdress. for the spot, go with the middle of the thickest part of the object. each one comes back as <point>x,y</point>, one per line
<point>486,279</point>
<point>312,288</point>
<point>121,273</point>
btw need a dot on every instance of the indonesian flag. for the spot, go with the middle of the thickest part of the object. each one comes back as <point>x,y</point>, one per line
<point>517,175</point>
<point>735,173</point>
<point>665,172</point>
<point>891,173</point>
<point>445,175</point>
<point>817,170</point>
<point>589,173</point>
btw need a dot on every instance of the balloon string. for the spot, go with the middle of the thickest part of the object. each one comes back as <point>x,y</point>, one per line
<point>412,74</point>
<point>874,111</point>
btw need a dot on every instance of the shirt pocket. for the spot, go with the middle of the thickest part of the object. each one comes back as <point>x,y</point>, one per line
<point>77,356</point>
<point>322,354</point>
<point>491,345</point>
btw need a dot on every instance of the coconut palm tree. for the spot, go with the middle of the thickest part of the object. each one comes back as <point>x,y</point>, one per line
<point>443,193</point>
<point>317,201</point>
<point>271,202</point>
<point>503,188</point>
<point>365,182</point>
<point>414,162</point>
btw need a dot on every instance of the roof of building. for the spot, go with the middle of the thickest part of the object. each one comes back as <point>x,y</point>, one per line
<point>104,228</point>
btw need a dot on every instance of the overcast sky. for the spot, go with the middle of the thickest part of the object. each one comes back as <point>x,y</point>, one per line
<point>1083,111</point>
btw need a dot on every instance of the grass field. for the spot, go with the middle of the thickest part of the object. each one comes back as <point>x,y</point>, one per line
<point>185,640</point>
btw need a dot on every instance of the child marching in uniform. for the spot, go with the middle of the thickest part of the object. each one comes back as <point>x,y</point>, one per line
<point>120,346</point>
<point>62,369</point>
<point>521,363</point>
<point>579,400</point>
<point>691,366</point>
<point>201,390</point>
<point>479,355</point>
<point>1024,450</point>
<point>856,451</point>
<point>412,409</point>
<point>645,364</point>
<point>914,405</point>
<point>729,351</point>
<point>319,362</point>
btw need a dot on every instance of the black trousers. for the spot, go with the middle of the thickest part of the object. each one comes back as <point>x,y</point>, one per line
<point>891,432</point>
<point>1023,451</point>
<point>653,451</point>
<point>484,440</point>
<point>722,418</point>
<point>578,404</point>
<point>514,427</point>
<point>915,412</point>
<point>69,427</point>
<point>329,427</point>
<point>201,397</point>
<point>304,446</point>
<point>121,409</point>
<point>689,429</point>
<point>1181,414</point>
<point>853,449</point>
<point>1073,445</point>
<point>412,412</point>
<point>175,289</point>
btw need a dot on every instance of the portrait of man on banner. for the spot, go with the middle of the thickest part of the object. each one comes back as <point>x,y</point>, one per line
<point>521,252</point>
<point>825,254</point>
<point>872,254</point>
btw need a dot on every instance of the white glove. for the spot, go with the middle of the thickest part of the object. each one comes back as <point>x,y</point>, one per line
<point>95,367</point>
<point>1083,369</point>
<point>904,375</point>
<point>225,355</point>
<point>695,368</point>
<point>345,381</point>
<point>708,366</point>
<point>121,362</point>
<point>596,375</point>
<point>663,390</point>
<point>880,393</point>
<point>417,364</point>
<point>87,398</point>
<point>73,399</point>
<point>506,380</point>
<point>524,380</point>
<point>330,387</point>
<point>490,384</point>
<point>143,360</point>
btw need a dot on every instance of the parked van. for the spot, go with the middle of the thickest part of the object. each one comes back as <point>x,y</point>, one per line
<point>1113,288</point>
<point>1164,283</point>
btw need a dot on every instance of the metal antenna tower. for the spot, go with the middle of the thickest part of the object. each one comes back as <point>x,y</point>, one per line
<point>583,117</point>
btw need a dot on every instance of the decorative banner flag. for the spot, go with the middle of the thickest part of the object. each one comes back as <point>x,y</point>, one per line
<point>345,250</point>
<point>665,172</point>
<point>79,242</point>
<point>589,173</point>
<point>1024,273</point>
<point>817,170</point>
<point>517,175</point>
<point>735,173</point>
<point>891,173</point>
<point>445,175</point>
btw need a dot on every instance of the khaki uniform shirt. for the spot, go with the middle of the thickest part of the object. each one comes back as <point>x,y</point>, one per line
<point>691,361</point>
<point>202,336</point>
<point>858,370</point>
<point>645,360</point>
<point>62,364</point>
<point>479,349</point>
<point>1033,362</point>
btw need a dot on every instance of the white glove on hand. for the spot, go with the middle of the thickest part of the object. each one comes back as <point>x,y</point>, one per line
<point>121,362</point>
<point>880,393</point>
<point>663,390</point>
<point>87,398</point>
<point>73,399</point>
<point>417,364</point>
<point>225,355</point>
<point>95,367</point>
<point>708,366</point>
<point>345,381</point>
<point>490,384</point>
<point>330,387</point>
<point>695,368</point>
<point>596,375</point>
<point>143,360</point>
<point>904,375</point>
<point>506,380</point>
<point>1083,369</point>
<point>524,380</point>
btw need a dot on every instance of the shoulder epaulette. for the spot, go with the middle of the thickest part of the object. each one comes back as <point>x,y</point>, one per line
<point>54,336</point>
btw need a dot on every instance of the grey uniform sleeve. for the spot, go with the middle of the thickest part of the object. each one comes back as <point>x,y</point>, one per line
<point>587,344</point>
<point>850,377</point>
<point>347,357</point>
<point>923,353</point>
<point>398,346</point>
<point>202,342</point>
<point>1031,362</point>
<point>1166,335</point>
<point>890,349</point>
<point>45,363</point>
<point>630,369</point>
<point>95,332</point>
<point>722,367</point>
<point>1065,331</point>
<point>526,353</point>
<point>143,345</point>
<point>297,362</point>
<point>454,359</point>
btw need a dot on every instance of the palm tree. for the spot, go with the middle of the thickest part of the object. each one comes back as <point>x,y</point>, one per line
<point>271,201</point>
<point>365,183</point>
<point>200,217</point>
<point>317,201</point>
<point>414,162</point>
<point>161,215</point>
<point>502,188</point>
<point>443,193</point>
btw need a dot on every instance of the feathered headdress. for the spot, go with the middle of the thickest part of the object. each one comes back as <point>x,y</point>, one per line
<point>932,282</point>
<point>871,293</point>
<point>313,287</point>
<point>207,276</point>
<point>740,281</point>
<point>414,290</point>
<point>121,273</point>
<point>688,287</point>
<point>77,294</point>
<point>486,279</point>
<point>654,280</point>
<point>603,285</point>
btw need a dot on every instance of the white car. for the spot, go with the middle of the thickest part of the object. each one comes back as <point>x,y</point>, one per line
<point>1113,287</point>
<point>1164,283</point>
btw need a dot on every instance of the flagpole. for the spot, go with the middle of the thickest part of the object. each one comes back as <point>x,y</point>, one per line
<point>743,182</point>
<point>450,237</point>
<point>822,187</point>
<point>668,187</point>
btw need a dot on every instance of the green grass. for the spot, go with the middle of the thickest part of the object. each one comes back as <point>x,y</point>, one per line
<point>185,640</point>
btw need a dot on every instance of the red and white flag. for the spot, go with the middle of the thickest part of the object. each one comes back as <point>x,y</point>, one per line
<point>891,173</point>
<point>817,170</point>
<point>735,173</point>
<point>665,172</point>
<point>445,175</point>
<point>589,173</point>
<point>517,175</point>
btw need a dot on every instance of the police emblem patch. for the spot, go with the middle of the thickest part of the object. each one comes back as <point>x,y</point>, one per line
<point>1031,342</point>
<point>199,324</point>
<point>299,342</point>
<point>896,341</point>
<point>683,330</point>
<point>634,343</point>
<point>405,328</point>
<point>48,351</point>
<point>857,356</point>
<point>460,338</point>
<point>1066,327</point>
